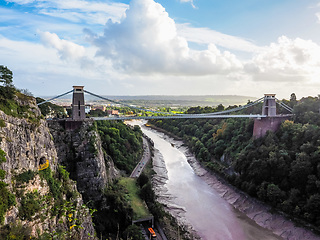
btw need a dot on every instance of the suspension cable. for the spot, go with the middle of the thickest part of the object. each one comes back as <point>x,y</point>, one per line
<point>55,97</point>
<point>127,105</point>
<point>285,106</point>
<point>233,109</point>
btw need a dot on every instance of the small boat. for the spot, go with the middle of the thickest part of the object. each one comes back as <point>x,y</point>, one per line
<point>172,144</point>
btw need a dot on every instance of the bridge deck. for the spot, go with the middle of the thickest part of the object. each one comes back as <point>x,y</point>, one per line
<point>178,117</point>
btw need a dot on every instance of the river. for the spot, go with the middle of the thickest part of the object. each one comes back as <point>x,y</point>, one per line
<point>198,203</point>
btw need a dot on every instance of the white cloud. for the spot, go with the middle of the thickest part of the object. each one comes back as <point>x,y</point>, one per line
<point>67,50</point>
<point>318,13</point>
<point>287,60</point>
<point>92,12</point>
<point>146,41</point>
<point>41,70</point>
<point>188,1</point>
<point>21,1</point>
<point>207,36</point>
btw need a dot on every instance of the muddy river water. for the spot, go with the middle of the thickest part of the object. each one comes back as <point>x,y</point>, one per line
<point>205,206</point>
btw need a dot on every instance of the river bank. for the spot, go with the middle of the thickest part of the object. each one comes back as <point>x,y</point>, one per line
<point>195,204</point>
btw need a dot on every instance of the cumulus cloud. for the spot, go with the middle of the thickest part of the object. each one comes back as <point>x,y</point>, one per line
<point>286,60</point>
<point>146,41</point>
<point>67,50</point>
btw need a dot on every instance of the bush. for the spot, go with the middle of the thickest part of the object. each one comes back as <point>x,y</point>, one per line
<point>64,174</point>
<point>2,156</point>
<point>2,174</point>
<point>30,205</point>
<point>2,123</point>
<point>15,231</point>
<point>7,200</point>
<point>25,176</point>
<point>54,185</point>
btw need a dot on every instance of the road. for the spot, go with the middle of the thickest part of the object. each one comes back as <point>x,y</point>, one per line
<point>144,160</point>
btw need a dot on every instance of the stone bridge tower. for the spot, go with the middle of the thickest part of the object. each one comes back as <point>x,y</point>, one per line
<point>270,123</point>
<point>269,107</point>
<point>78,105</point>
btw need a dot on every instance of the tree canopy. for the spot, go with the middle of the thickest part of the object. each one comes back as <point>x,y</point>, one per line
<point>6,76</point>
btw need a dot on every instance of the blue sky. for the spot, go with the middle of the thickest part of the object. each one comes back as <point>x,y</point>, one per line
<point>176,47</point>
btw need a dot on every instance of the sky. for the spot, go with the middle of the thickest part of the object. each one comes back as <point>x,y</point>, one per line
<point>163,47</point>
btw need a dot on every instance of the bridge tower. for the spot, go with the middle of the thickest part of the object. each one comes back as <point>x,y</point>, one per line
<point>269,107</point>
<point>270,123</point>
<point>78,106</point>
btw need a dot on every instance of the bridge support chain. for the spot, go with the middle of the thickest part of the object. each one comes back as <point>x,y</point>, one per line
<point>263,125</point>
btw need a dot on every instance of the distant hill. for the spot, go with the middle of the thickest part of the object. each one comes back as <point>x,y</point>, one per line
<point>171,100</point>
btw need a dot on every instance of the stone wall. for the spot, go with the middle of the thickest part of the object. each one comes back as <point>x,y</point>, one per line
<point>261,126</point>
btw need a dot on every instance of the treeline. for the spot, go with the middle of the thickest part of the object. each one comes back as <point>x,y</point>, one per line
<point>122,143</point>
<point>282,168</point>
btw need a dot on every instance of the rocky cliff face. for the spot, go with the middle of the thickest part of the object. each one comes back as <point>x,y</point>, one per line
<point>81,152</point>
<point>46,201</point>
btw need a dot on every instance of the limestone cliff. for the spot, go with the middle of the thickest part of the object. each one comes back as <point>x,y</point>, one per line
<point>79,149</point>
<point>42,202</point>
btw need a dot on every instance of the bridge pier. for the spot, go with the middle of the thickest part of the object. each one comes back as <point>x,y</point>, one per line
<point>270,123</point>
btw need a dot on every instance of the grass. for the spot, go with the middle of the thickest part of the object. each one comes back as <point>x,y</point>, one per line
<point>139,207</point>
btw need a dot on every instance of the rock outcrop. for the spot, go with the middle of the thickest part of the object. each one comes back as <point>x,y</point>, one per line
<point>55,207</point>
<point>81,152</point>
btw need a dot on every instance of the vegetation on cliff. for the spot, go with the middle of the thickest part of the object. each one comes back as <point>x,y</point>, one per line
<point>122,143</point>
<point>12,101</point>
<point>7,199</point>
<point>34,203</point>
<point>282,168</point>
<point>49,109</point>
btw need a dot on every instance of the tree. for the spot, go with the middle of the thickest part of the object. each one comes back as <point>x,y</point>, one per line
<point>6,76</point>
<point>293,99</point>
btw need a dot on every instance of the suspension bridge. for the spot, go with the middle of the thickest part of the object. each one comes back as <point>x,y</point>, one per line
<point>78,104</point>
<point>267,120</point>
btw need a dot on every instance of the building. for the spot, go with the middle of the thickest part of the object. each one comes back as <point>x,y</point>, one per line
<point>87,108</point>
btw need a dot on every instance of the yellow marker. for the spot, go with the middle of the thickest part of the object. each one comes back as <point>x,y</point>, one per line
<point>44,166</point>
<point>72,226</point>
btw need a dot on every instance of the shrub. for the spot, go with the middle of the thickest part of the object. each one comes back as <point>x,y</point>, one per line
<point>64,174</point>
<point>54,185</point>
<point>7,200</point>
<point>2,156</point>
<point>2,123</point>
<point>15,231</point>
<point>25,176</point>
<point>30,205</point>
<point>2,174</point>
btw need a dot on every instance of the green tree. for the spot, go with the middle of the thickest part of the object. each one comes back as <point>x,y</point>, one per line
<point>293,99</point>
<point>6,76</point>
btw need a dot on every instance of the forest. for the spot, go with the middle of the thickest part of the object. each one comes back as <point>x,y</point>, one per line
<point>282,168</point>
